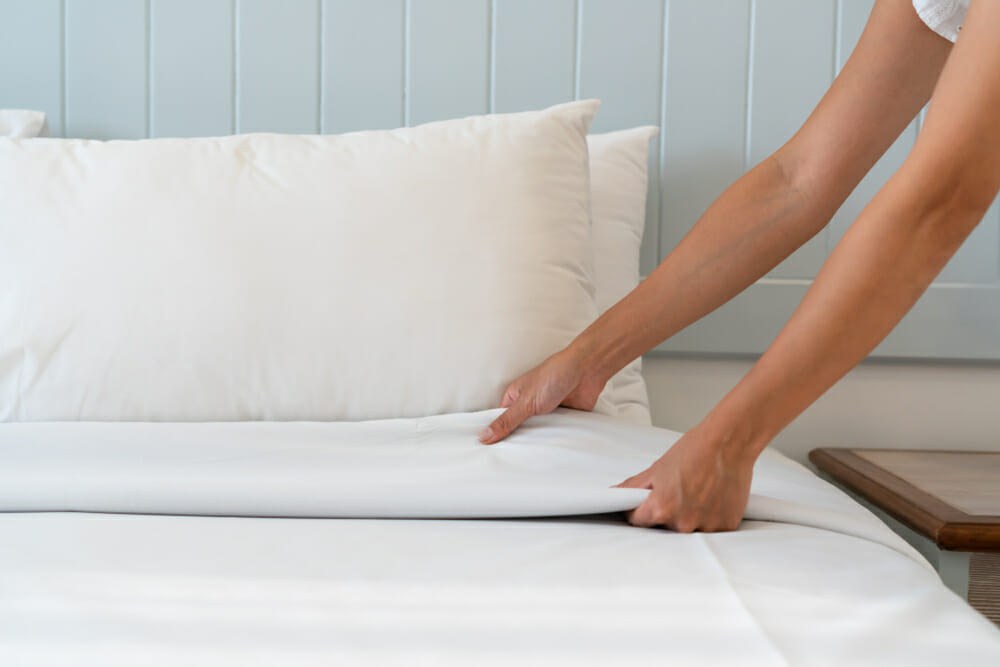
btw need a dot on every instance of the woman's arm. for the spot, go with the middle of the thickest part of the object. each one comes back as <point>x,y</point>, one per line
<point>887,259</point>
<point>758,221</point>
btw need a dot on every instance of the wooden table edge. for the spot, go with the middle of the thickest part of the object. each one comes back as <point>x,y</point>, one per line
<point>945,525</point>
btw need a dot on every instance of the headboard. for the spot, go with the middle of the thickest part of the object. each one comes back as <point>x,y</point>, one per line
<point>727,80</point>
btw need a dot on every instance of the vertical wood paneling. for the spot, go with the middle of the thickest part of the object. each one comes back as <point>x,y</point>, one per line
<point>278,66</point>
<point>106,66</point>
<point>363,64</point>
<point>621,53</point>
<point>534,54</point>
<point>704,121</point>
<point>621,62</point>
<point>853,17</point>
<point>793,63</point>
<point>31,58</point>
<point>729,82</point>
<point>449,49</point>
<point>191,86</point>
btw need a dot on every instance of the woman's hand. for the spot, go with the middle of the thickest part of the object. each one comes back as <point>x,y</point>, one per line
<point>701,483</point>
<point>559,380</point>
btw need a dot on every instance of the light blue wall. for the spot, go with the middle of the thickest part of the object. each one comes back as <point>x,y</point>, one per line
<point>727,80</point>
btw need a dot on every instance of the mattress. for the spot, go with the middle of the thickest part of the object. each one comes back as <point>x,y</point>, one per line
<point>258,543</point>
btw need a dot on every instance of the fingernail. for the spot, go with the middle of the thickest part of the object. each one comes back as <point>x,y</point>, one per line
<point>485,434</point>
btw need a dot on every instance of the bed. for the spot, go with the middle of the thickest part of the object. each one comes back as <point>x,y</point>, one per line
<point>810,577</point>
<point>226,440</point>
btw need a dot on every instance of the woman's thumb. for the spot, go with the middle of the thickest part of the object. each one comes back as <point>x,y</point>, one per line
<point>503,425</point>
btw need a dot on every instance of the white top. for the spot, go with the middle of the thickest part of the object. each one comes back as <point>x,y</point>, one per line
<point>942,16</point>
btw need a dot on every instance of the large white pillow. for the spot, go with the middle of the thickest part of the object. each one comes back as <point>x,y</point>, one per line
<point>23,123</point>
<point>368,275</point>
<point>619,182</point>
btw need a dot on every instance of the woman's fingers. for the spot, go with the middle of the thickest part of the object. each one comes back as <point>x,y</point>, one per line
<point>510,396</point>
<point>650,513</point>
<point>539,391</point>
<point>658,511</point>
<point>503,425</point>
<point>646,513</point>
<point>643,480</point>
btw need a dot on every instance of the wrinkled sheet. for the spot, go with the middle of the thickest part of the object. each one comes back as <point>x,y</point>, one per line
<point>810,577</point>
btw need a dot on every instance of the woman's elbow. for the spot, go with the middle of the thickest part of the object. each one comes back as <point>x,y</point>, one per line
<point>945,204</point>
<point>957,200</point>
<point>960,185</point>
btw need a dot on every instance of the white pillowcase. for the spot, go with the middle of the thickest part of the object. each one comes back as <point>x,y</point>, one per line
<point>618,186</point>
<point>362,276</point>
<point>23,124</point>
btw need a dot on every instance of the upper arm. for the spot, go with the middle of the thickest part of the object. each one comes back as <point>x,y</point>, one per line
<point>956,160</point>
<point>887,79</point>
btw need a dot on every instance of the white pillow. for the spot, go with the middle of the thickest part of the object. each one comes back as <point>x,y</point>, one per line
<point>361,276</point>
<point>618,185</point>
<point>23,124</point>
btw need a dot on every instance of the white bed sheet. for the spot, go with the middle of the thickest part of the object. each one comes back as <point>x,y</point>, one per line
<point>810,578</point>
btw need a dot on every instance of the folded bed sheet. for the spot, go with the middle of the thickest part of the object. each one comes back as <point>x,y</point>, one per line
<point>810,578</point>
<point>561,464</point>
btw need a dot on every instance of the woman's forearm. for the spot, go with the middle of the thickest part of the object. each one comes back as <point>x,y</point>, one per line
<point>757,222</point>
<point>874,276</point>
<point>892,252</point>
<point>784,201</point>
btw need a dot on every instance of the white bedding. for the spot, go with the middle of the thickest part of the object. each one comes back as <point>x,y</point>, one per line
<point>368,275</point>
<point>810,578</point>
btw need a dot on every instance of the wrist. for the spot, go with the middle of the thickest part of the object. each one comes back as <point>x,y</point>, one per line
<point>740,436</point>
<point>586,354</point>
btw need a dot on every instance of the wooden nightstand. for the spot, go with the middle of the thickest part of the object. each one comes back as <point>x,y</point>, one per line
<point>947,504</point>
